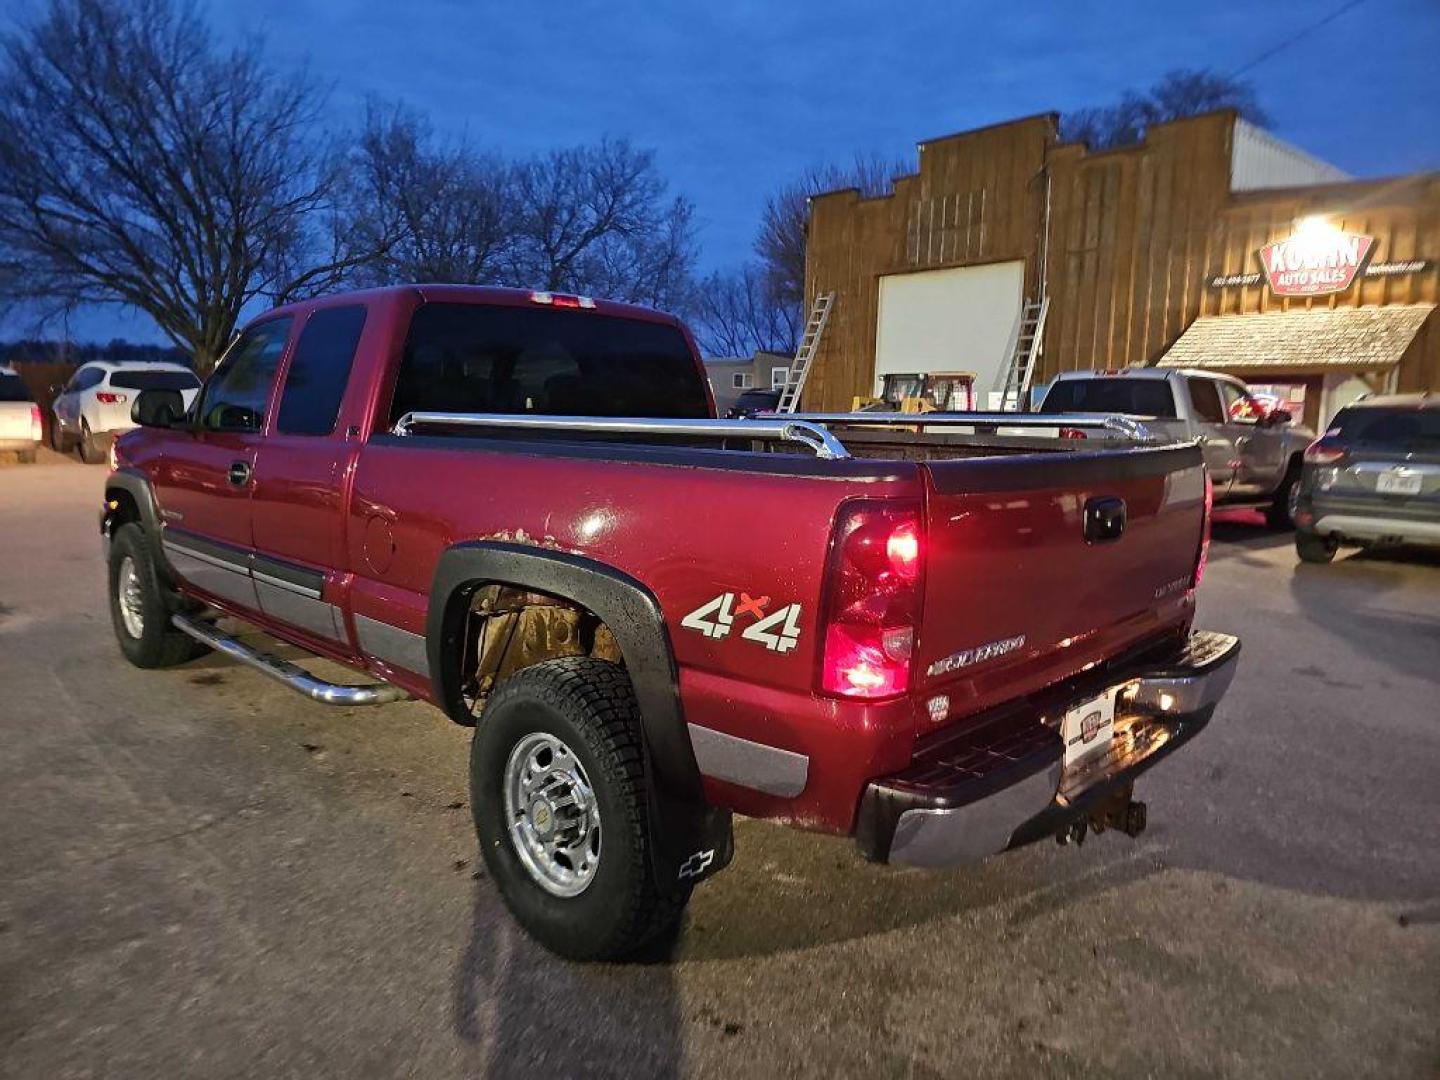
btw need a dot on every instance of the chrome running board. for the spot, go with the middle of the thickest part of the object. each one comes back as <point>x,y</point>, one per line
<point>283,671</point>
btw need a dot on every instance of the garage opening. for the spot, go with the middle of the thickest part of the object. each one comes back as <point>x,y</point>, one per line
<point>959,321</point>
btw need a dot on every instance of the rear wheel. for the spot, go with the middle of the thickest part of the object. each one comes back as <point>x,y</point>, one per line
<point>557,783</point>
<point>1314,549</point>
<point>140,607</point>
<point>57,437</point>
<point>91,452</point>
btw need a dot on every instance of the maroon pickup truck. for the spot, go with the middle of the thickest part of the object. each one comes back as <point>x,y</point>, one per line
<point>519,507</point>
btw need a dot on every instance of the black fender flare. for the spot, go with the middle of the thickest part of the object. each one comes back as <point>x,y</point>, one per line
<point>137,485</point>
<point>691,837</point>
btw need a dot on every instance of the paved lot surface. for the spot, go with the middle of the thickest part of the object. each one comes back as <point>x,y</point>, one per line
<point>203,875</point>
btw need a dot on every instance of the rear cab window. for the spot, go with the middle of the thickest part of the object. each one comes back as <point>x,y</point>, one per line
<point>13,388</point>
<point>1112,394</point>
<point>499,359</point>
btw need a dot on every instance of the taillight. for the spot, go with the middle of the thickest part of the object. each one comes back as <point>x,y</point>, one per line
<point>1072,433</point>
<point>1321,453</point>
<point>1204,555</point>
<point>107,398</point>
<point>873,603</point>
<point>37,431</point>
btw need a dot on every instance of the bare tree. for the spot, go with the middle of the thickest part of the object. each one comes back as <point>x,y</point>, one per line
<point>596,219</point>
<point>143,165</point>
<point>427,212</point>
<point>780,244</point>
<point>733,314</point>
<point>1178,94</point>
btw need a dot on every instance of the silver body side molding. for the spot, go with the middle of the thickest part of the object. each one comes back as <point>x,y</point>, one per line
<point>392,644</point>
<point>749,764</point>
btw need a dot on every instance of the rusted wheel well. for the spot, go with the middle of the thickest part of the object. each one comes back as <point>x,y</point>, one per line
<point>507,628</point>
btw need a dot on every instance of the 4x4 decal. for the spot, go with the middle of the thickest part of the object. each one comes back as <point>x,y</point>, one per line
<point>778,631</point>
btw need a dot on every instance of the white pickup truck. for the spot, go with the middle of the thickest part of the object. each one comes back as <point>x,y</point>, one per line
<point>1253,453</point>
<point>19,417</point>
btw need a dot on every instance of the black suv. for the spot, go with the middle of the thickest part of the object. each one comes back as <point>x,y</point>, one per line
<point>1372,478</point>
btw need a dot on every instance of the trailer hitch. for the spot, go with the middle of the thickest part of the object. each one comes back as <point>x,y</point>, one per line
<point>1118,811</point>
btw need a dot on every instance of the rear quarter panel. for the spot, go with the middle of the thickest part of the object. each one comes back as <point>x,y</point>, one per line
<point>757,529</point>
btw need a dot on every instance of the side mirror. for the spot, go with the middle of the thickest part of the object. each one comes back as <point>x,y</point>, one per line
<point>158,408</point>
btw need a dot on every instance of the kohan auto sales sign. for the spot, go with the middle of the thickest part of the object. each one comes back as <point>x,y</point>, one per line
<point>1315,261</point>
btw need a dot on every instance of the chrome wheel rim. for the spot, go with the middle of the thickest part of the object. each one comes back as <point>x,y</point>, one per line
<point>132,600</point>
<point>551,814</point>
<point>1292,500</point>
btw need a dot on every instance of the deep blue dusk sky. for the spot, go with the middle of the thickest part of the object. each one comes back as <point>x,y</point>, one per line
<point>736,98</point>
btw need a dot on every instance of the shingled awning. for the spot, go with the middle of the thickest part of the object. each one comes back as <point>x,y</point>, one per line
<point>1338,339</point>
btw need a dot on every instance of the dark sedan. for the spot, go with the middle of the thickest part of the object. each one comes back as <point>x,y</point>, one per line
<point>1372,478</point>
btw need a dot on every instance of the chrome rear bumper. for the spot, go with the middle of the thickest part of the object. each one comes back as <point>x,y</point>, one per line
<point>1002,783</point>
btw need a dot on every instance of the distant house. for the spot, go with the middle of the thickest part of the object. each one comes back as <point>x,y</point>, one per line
<point>730,375</point>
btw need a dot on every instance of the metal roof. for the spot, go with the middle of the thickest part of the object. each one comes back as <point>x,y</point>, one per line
<point>1321,339</point>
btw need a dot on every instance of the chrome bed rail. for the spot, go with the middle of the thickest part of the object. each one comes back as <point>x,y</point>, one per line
<point>1123,426</point>
<point>814,436</point>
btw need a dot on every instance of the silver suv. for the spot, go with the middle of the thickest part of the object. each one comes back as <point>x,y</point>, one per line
<point>1372,478</point>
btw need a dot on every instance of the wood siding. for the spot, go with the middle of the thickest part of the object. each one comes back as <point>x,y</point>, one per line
<point>1134,237</point>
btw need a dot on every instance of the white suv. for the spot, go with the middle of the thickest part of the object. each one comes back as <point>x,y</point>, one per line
<point>94,406</point>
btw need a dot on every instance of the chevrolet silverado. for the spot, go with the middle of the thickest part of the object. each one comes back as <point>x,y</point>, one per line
<point>520,507</point>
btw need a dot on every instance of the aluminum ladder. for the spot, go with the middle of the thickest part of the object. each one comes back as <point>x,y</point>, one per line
<point>1028,332</point>
<point>805,355</point>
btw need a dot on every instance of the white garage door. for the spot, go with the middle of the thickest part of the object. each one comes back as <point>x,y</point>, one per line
<point>949,320</point>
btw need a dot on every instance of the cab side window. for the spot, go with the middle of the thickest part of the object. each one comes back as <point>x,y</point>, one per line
<point>320,370</point>
<point>1240,407</point>
<point>236,395</point>
<point>1205,400</point>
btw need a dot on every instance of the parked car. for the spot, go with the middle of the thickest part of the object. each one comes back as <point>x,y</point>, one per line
<point>19,417</point>
<point>520,508</point>
<point>1373,478</point>
<point>94,406</point>
<point>1254,453</point>
<point>751,402</point>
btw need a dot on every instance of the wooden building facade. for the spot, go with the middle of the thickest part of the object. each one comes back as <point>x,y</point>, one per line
<point>1132,246</point>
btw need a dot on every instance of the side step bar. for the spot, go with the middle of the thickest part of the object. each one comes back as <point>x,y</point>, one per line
<point>293,676</point>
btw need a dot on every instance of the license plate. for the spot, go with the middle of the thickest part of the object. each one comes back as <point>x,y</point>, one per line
<point>1088,728</point>
<point>1398,482</point>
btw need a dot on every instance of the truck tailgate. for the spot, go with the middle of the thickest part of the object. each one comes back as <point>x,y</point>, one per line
<point>1017,596</point>
<point>15,420</point>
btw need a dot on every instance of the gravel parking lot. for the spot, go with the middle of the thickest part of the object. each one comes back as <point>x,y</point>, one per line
<point>205,875</point>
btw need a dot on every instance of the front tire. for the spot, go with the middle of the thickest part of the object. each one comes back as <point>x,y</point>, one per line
<point>1314,549</point>
<point>91,452</point>
<point>557,788</point>
<point>57,437</point>
<point>140,607</point>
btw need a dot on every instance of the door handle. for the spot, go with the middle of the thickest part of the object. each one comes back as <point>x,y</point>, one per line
<point>239,473</point>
